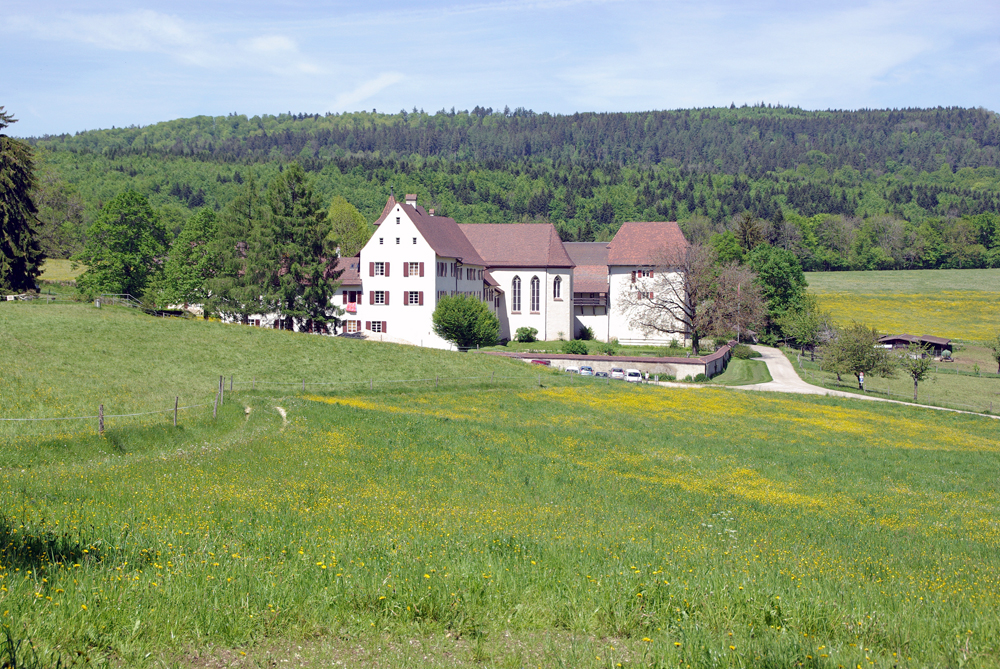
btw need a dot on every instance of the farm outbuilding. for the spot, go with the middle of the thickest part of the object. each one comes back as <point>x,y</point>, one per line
<point>936,345</point>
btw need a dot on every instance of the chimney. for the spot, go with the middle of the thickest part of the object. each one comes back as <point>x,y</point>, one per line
<point>431,212</point>
<point>411,200</point>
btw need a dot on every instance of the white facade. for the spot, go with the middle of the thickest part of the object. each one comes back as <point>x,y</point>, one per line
<point>591,310</point>
<point>627,285</point>
<point>529,300</point>
<point>402,279</point>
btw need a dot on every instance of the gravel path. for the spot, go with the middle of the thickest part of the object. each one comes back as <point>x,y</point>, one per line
<point>784,379</point>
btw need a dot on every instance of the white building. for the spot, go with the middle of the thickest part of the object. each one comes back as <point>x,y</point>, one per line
<point>413,259</point>
<point>533,276</point>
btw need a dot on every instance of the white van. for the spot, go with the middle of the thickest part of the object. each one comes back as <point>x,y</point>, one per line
<point>633,376</point>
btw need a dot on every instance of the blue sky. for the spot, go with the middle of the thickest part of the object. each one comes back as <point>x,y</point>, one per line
<point>76,66</point>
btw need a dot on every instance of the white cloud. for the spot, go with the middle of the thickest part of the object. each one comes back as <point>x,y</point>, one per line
<point>349,100</point>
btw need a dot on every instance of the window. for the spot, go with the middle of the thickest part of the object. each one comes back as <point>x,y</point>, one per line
<point>378,297</point>
<point>377,269</point>
<point>413,268</point>
<point>644,295</point>
<point>535,294</point>
<point>414,297</point>
<point>352,326</point>
<point>397,220</point>
<point>557,288</point>
<point>414,240</point>
<point>381,240</point>
<point>515,295</point>
<point>397,240</point>
<point>376,326</point>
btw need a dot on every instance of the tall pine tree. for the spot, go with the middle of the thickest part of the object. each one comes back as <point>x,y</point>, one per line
<point>21,255</point>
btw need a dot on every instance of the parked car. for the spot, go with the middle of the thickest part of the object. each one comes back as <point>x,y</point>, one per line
<point>617,373</point>
<point>586,370</point>
<point>547,363</point>
<point>633,376</point>
<point>572,370</point>
<point>603,375</point>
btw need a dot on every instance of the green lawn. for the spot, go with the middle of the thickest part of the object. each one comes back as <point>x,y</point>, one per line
<point>958,303</point>
<point>477,524</point>
<point>946,386</point>
<point>743,372</point>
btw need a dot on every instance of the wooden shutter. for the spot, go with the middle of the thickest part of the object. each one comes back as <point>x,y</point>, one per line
<point>387,294</point>
<point>420,297</point>
<point>371,297</point>
<point>368,325</point>
<point>384,329</point>
<point>650,294</point>
<point>371,269</point>
<point>650,274</point>
<point>345,297</point>
<point>387,274</point>
<point>633,276</point>
<point>406,269</point>
<point>421,269</point>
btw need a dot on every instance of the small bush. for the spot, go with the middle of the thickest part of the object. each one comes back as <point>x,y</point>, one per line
<point>674,344</point>
<point>687,378</point>
<point>700,378</point>
<point>574,347</point>
<point>586,333</point>
<point>526,335</point>
<point>744,352</point>
<point>609,348</point>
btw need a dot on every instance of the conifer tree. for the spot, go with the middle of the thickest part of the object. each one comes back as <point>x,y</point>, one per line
<point>21,254</point>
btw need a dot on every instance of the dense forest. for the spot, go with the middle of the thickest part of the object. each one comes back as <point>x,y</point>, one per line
<point>871,189</point>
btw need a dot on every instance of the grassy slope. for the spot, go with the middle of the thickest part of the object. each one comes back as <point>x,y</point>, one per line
<point>65,359</point>
<point>743,372</point>
<point>591,524</point>
<point>960,304</point>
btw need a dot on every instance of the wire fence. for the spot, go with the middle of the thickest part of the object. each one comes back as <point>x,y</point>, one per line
<point>873,387</point>
<point>232,385</point>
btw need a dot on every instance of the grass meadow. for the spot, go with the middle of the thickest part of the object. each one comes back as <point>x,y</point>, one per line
<point>503,524</point>
<point>955,303</point>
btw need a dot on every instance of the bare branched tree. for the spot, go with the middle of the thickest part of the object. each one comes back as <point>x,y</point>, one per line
<point>737,302</point>
<point>672,300</point>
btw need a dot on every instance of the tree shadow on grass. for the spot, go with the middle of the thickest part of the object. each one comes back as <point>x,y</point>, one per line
<point>33,546</point>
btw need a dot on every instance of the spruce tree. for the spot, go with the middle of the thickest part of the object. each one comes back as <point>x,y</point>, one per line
<point>21,254</point>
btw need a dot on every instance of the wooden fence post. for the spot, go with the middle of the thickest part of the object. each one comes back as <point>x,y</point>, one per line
<point>230,383</point>
<point>176,400</point>
<point>100,420</point>
<point>222,390</point>
<point>303,385</point>
<point>491,376</point>
<point>253,383</point>
<point>539,380</point>
<point>371,384</point>
<point>215,409</point>
<point>435,381</point>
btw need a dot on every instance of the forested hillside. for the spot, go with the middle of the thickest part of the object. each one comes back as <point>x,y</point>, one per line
<point>843,190</point>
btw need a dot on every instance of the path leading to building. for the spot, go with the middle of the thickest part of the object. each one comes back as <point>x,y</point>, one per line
<point>784,379</point>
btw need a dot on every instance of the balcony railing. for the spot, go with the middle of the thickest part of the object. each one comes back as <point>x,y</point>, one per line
<point>590,301</point>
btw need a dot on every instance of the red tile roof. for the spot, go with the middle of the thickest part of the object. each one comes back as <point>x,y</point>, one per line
<point>591,272</point>
<point>351,267</point>
<point>440,232</point>
<point>517,244</point>
<point>647,243</point>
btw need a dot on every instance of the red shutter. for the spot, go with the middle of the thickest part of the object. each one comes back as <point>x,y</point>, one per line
<point>421,269</point>
<point>371,269</point>
<point>406,298</point>
<point>384,329</point>
<point>420,297</point>
<point>650,274</point>
<point>387,293</point>
<point>406,269</point>
<point>387,269</point>
<point>650,294</point>
<point>633,276</point>
<point>371,297</point>
<point>345,297</point>
<point>368,325</point>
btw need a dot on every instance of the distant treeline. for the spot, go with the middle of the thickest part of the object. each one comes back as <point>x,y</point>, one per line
<point>930,176</point>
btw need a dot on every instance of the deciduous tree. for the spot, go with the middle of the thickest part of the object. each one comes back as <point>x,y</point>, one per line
<point>190,263</point>
<point>917,365</point>
<point>465,321</point>
<point>856,350</point>
<point>123,246</point>
<point>21,254</point>
<point>349,231</point>
<point>994,346</point>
